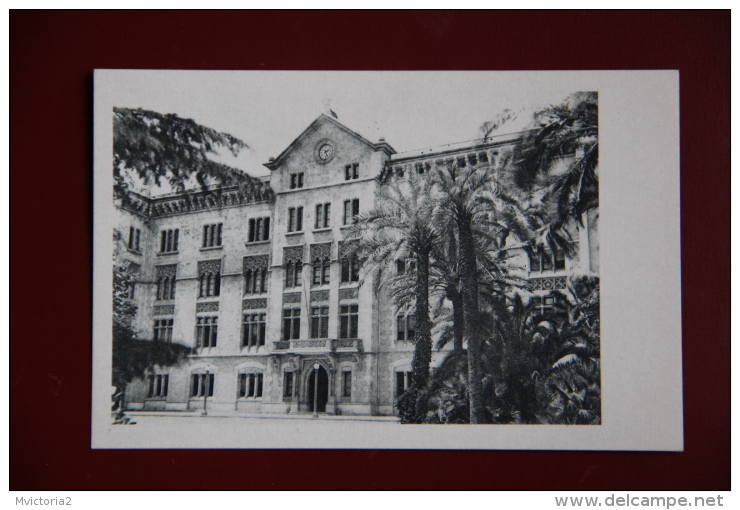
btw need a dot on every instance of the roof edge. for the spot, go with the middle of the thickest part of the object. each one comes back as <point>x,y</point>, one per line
<point>382,145</point>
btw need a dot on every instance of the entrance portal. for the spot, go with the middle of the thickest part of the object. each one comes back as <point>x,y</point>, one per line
<point>323,390</point>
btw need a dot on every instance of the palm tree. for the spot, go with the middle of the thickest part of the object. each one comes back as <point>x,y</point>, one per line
<point>399,227</point>
<point>467,197</point>
<point>570,390</point>
<point>556,162</point>
<point>548,368</point>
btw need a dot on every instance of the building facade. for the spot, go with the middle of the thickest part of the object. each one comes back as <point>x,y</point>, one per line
<point>268,293</point>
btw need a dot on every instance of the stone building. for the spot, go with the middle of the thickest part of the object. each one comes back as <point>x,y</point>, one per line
<point>267,293</point>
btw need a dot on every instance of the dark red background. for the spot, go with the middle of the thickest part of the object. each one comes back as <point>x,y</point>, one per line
<point>52,56</point>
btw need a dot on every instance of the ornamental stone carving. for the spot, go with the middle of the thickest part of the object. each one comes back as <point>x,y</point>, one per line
<point>321,251</point>
<point>554,283</point>
<point>209,266</point>
<point>292,254</point>
<point>319,295</point>
<point>169,271</point>
<point>211,306</point>
<point>309,344</point>
<point>308,363</point>
<point>347,248</point>
<point>256,262</point>
<point>348,293</point>
<point>164,310</point>
<point>254,304</point>
<point>293,297</point>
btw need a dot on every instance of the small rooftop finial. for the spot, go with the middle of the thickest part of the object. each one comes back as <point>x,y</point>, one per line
<point>272,159</point>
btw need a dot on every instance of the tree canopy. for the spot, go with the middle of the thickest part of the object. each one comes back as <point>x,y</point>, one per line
<point>133,357</point>
<point>157,147</point>
<point>557,160</point>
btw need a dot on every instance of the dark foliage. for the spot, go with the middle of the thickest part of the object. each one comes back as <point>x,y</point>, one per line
<point>133,357</point>
<point>557,161</point>
<point>156,147</point>
<point>536,368</point>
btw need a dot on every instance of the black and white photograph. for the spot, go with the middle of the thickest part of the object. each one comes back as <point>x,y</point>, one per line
<point>385,259</point>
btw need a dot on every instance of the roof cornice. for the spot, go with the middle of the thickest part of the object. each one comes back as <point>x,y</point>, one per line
<point>190,201</point>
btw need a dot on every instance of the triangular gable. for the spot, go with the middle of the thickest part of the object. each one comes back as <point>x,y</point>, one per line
<point>322,119</point>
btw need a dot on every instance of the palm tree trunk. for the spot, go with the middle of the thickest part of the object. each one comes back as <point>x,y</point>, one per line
<point>469,287</point>
<point>423,344</point>
<point>458,321</point>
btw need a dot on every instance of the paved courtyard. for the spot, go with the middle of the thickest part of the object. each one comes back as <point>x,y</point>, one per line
<point>219,430</point>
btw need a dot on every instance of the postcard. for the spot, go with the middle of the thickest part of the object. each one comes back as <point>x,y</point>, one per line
<point>415,260</point>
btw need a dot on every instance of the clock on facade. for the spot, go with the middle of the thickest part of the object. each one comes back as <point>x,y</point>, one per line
<point>326,151</point>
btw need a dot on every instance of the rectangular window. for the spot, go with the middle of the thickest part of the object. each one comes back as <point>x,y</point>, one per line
<point>348,319</point>
<point>323,215</point>
<point>542,260</point>
<point>351,171</point>
<point>406,326</point>
<point>163,330</point>
<point>296,180</point>
<point>347,384</point>
<point>134,236</point>
<point>350,268</point>
<point>165,287</point>
<point>169,240</point>
<point>200,384</point>
<point>405,265</point>
<point>534,262</point>
<point>351,210</point>
<point>207,331</point>
<point>212,235</point>
<point>259,230</point>
<point>546,262</point>
<point>320,322</point>
<point>291,323</point>
<point>288,385</point>
<point>253,329</point>
<point>250,385</point>
<point>293,274</point>
<point>543,304</point>
<point>295,219</point>
<point>158,386</point>
<point>403,382</point>
<point>559,260</point>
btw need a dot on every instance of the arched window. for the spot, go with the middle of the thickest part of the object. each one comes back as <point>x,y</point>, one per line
<point>255,281</point>
<point>166,280</point>
<point>210,278</point>
<point>293,272</point>
<point>250,385</point>
<point>202,384</point>
<point>321,271</point>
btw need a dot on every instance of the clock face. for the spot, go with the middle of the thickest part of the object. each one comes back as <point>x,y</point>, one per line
<point>325,151</point>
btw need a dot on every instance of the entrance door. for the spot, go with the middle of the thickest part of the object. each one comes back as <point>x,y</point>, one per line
<point>323,388</point>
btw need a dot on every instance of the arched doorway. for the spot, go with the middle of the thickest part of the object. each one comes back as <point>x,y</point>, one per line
<point>323,390</point>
